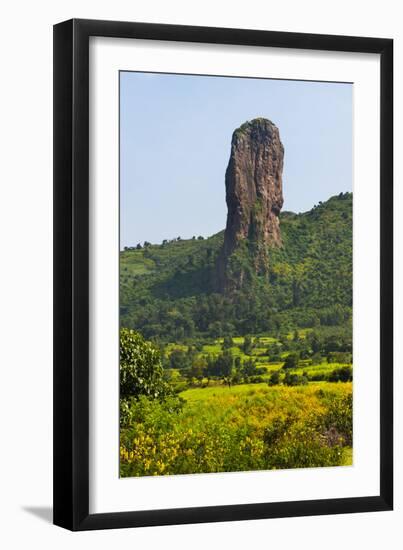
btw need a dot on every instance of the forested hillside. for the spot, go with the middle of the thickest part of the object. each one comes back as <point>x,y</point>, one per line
<point>169,291</point>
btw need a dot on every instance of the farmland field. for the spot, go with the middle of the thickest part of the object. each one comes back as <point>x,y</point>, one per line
<point>237,403</point>
<point>245,427</point>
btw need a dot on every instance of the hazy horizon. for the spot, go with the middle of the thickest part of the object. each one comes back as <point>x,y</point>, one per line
<point>175,138</point>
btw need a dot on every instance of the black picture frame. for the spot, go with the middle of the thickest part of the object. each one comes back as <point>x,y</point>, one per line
<point>71,274</point>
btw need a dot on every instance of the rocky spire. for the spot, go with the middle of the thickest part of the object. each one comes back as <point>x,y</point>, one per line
<point>254,195</point>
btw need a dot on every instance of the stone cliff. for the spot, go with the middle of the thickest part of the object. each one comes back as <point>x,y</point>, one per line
<point>254,196</point>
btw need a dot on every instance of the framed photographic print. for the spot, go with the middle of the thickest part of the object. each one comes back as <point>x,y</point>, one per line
<point>223,321</point>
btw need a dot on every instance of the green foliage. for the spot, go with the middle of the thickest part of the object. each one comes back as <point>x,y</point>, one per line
<point>291,361</point>
<point>293,379</point>
<point>344,374</point>
<point>237,429</point>
<point>180,359</point>
<point>168,290</point>
<point>198,362</point>
<point>227,342</point>
<point>339,415</point>
<point>274,379</point>
<point>141,371</point>
<point>247,345</point>
<point>316,358</point>
<point>249,368</point>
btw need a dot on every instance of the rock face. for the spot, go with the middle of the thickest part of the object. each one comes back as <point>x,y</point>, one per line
<point>254,195</point>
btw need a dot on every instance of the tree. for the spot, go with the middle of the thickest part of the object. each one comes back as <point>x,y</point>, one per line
<point>294,380</point>
<point>285,343</point>
<point>215,329</point>
<point>274,379</point>
<point>210,370</point>
<point>198,368</point>
<point>316,359</point>
<point>315,342</point>
<point>249,368</point>
<point>344,374</point>
<point>172,376</point>
<point>222,367</point>
<point>180,359</point>
<point>198,345</point>
<point>291,361</point>
<point>339,357</point>
<point>274,353</point>
<point>227,343</point>
<point>141,371</point>
<point>247,345</point>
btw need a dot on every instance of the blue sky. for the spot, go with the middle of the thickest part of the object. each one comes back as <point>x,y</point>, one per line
<point>175,136</point>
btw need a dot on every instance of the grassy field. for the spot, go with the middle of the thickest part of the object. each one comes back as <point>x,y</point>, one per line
<point>245,427</point>
<point>271,394</point>
<point>260,355</point>
<point>258,352</point>
<point>132,265</point>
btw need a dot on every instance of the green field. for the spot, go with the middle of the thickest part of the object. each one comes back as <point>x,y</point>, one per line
<point>245,427</point>
<point>259,355</point>
<point>272,394</point>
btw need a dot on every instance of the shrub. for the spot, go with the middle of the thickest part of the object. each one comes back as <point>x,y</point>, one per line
<point>318,377</point>
<point>227,343</point>
<point>340,416</point>
<point>295,379</point>
<point>256,379</point>
<point>291,361</point>
<point>274,379</point>
<point>343,374</point>
<point>141,371</point>
<point>292,442</point>
<point>316,359</point>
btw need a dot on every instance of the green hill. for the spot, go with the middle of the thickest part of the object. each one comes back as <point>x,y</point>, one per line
<point>168,291</point>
